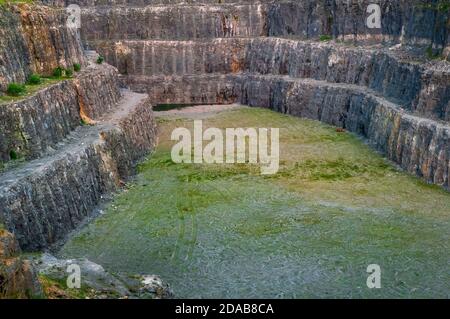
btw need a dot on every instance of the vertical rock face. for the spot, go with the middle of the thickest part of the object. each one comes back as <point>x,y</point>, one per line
<point>35,39</point>
<point>156,57</point>
<point>169,22</point>
<point>71,166</point>
<point>35,125</point>
<point>18,278</point>
<point>98,91</point>
<point>41,201</point>
<point>417,22</point>
<point>417,87</point>
<point>420,146</point>
<point>205,89</point>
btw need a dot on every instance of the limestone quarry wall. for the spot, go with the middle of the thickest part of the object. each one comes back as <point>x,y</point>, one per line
<point>169,22</point>
<point>80,138</point>
<point>422,88</point>
<point>48,198</point>
<point>420,146</point>
<point>186,89</point>
<point>419,23</point>
<point>413,22</point>
<point>35,39</point>
<point>35,125</point>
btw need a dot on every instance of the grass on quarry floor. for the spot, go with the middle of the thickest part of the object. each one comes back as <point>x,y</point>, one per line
<point>309,231</point>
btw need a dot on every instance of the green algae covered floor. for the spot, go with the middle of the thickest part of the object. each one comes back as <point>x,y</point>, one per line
<point>310,231</point>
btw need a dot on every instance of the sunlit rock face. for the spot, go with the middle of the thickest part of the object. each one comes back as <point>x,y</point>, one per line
<point>35,40</point>
<point>169,22</point>
<point>18,279</point>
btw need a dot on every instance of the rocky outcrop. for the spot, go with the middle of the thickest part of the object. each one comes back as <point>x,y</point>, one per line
<point>35,39</point>
<point>45,276</point>
<point>18,278</point>
<point>97,283</point>
<point>34,126</point>
<point>41,201</point>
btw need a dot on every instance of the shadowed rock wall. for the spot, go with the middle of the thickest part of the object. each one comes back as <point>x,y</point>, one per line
<point>187,89</point>
<point>420,146</point>
<point>422,88</point>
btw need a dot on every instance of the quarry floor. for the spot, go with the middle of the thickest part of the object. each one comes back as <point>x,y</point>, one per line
<point>225,231</point>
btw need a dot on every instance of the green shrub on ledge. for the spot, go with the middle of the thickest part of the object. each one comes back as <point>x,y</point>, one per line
<point>100,59</point>
<point>16,89</point>
<point>77,67</point>
<point>58,72</point>
<point>13,155</point>
<point>34,79</point>
<point>69,73</point>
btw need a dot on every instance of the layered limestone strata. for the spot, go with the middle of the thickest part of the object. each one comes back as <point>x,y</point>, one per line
<point>34,126</point>
<point>416,22</point>
<point>187,89</point>
<point>35,39</point>
<point>418,86</point>
<point>173,22</point>
<point>424,24</point>
<point>41,201</point>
